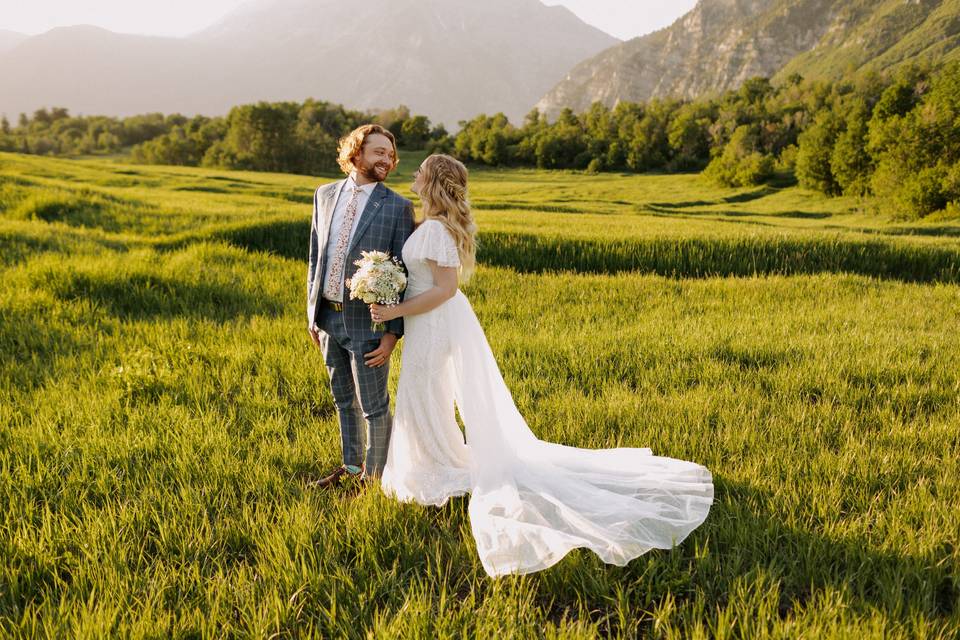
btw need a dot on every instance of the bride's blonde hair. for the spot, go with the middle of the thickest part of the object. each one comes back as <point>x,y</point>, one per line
<point>444,196</point>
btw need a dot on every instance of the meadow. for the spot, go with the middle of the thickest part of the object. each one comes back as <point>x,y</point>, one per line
<point>161,410</point>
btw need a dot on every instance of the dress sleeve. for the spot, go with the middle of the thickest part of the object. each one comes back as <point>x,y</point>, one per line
<point>435,243</point>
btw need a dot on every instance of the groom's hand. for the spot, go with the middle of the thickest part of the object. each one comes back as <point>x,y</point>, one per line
<point>381,355</point>
<point>314,335</point>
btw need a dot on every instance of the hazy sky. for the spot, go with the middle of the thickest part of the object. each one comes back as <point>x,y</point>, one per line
<point>627,18</point>
<point>622,18</point>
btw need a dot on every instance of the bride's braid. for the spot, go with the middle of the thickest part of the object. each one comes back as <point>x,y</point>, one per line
<point>449,181</point>
<point>445,198</point>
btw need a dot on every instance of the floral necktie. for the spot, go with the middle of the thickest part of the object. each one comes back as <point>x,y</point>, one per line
<point>333,289</point>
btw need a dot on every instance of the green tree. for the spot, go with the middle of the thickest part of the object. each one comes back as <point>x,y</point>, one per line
<point>916,152</point>
<point>689,137</point>
<point>392,119</point>
<point>107,141</point>
<point>317,142</point>
<point>261,137</point>
<point>42,117</point>
<point>647,146</point>
<point>755,91</point>
<point>440,140</point>
<point>176,148</point>
<point>562,144</point>
<point>850,163</point>
<point>414,132</point>
<point>526,149</point>
<point>742,162</point>
<point>626,116</point>
<point>137,129</point>
<point>897,100</point>
<point>600,131</point>
<point>486,139</point>
<point>815,153</point>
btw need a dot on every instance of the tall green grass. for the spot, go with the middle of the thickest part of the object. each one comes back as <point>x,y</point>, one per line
<point>161,409</point>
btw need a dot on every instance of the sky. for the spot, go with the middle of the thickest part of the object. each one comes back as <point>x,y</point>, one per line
<point>621,18</point>
<point>627,19</point>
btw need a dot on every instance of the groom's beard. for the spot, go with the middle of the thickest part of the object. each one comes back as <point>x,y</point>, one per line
<point>377,172</point>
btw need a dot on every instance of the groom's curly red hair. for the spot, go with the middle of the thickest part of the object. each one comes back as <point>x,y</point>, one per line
<point>351,145</point>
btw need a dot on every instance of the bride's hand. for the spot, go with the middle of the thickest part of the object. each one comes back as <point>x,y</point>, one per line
<point>384,313</point>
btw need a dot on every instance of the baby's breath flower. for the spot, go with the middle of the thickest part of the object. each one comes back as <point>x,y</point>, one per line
<point>379,279</point>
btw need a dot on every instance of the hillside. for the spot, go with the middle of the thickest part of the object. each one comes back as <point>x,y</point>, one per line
<point>721,43</point>
<point>10,39</point>
<point>449,59</point>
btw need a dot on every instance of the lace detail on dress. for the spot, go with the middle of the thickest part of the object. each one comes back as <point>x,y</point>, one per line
<point>428,460</point>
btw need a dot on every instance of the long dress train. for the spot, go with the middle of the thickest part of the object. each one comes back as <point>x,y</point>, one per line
<point>531,501</point>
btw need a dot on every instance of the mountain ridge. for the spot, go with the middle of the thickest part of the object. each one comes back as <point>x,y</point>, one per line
<point>10,39</point>
<point>721,43</point>
<point>409,52</point>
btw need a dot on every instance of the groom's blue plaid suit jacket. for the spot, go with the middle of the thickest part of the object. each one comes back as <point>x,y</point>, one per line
<point>384,225</point>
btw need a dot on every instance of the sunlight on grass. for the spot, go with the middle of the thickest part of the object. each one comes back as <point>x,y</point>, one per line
<point>161,409</point>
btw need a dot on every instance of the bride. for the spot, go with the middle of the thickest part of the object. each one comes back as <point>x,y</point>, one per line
<point>531,501</point>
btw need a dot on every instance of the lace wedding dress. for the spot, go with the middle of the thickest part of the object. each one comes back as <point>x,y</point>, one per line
<point>531,501</point>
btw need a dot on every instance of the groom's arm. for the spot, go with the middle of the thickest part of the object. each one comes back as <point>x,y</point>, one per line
<point>401,231</point>
<point>314,250</point>
<point>313,255</point>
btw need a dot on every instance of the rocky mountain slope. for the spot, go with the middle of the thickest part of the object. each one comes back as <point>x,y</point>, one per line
<point>721,43</point>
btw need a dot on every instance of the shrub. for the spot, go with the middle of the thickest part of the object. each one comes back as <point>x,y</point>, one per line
<point>742,162</point>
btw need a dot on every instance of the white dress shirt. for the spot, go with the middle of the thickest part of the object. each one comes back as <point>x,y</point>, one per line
<point>337,222</point>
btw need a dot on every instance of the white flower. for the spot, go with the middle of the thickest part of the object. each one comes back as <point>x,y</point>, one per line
<point>379,279</point>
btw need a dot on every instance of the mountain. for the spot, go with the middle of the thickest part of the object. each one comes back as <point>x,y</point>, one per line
<point>94,71</point>
<point>885,37</point>
<point>721,43</point>
<point>449,59</point>
<point>10,39</point>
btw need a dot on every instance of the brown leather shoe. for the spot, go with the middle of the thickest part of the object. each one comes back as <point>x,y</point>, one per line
<point>333,479</point>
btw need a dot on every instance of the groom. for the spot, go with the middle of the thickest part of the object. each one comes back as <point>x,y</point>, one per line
<point>350,216</point>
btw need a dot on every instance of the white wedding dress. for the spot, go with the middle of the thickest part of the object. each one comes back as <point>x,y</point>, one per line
<point>531,501</point>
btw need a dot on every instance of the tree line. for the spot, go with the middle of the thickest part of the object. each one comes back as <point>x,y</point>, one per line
<point>281,136</point>
<point>55,132</point>
<point>895,137</point>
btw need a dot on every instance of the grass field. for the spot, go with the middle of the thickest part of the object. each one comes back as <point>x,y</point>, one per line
<point>160,408</point>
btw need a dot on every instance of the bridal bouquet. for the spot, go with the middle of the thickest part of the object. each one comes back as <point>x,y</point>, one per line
<point>380,279</point>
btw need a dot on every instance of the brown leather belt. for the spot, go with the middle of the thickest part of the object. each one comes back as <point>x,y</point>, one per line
<point>330,304</point>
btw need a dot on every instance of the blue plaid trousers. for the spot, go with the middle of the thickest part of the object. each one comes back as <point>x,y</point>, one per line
<point>359,392</point>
